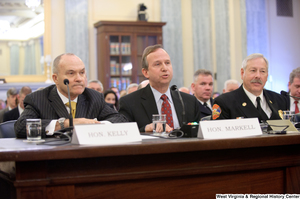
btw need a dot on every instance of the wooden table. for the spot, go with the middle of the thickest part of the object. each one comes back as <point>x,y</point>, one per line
<point>158,168</point>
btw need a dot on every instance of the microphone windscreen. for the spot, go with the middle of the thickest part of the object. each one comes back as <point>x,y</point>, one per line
<point>174,87</point>
<point>66,81</point>
<point>284,93</point>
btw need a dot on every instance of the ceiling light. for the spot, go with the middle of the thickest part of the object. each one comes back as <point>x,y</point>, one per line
<point>4,26</point>
<point>32,4</point>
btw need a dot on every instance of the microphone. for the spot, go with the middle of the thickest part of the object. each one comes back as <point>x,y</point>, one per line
<point>174,88</point>
<point>185,129</point>
<point>284,93</point>
<point>66,82</point>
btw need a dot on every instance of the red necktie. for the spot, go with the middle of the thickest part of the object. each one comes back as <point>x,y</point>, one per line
<point>166,109</point>
<point>296,107</point>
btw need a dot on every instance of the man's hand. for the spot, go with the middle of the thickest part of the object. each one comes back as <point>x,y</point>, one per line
<point>149,128</point>
<point>77,121</point>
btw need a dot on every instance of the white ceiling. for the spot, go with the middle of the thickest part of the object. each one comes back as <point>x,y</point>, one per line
<point>18,14</point>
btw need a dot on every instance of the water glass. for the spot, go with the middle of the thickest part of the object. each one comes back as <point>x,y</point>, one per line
<point>289,115</point>
<point>159,124</point>
<point>34,129</point>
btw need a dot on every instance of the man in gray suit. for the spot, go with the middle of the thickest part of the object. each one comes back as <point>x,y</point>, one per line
<point>49,104</point>
<point>12,103</point>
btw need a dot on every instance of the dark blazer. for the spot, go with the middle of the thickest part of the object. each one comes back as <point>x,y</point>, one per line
<point>237,104</point>
<point>47,105</point>
<point>13,114</point>
<point>205,111</point>
<point>140,105</point>
<point>2,113</point>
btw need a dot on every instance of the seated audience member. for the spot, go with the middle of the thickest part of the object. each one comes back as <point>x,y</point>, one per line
<point>11,101</point>
<point>116,90</point>
<point>143,84</point>
<point>2,104</point>
<point>51,103</point>
<point>251,100</point>
<point>294,90</point>
<point>15,113</point>
<point>131,88</point>
<point>156,97</point>
<point>122,93</point>
<point>95,85</point>
<point>203,88</point>
<point>111,98</point>
<point>215,94</point>
<point>184,90</point>
<point>230,85</point>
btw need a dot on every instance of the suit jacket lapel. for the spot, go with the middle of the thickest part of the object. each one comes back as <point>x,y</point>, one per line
<point>148,102</point>
<point>245,104</point>
<point>177,105</point>
<point>271,104</point>
<point>81,107</point>
<point>57,104</point>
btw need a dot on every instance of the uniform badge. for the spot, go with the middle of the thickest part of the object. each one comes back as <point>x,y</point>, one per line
<point>244,104</point>
<point>270,101</point>
<point>280,112</point>
<point>216,111</point>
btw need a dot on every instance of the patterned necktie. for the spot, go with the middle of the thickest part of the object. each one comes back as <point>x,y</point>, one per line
<point>73,104</point>
<point>262,115</point>
<point>296,107</point>
<point>166,109</point>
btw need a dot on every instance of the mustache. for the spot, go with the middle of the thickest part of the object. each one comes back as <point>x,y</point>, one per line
<point>77,85</point>
<point>256,81</point>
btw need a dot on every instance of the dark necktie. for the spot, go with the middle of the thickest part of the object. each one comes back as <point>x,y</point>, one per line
<point>166,109</point>
<point>205,105</point>
<point>262,115</point>
<point>296,107</point>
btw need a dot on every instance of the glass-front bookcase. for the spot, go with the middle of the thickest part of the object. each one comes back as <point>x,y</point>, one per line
<point>120,46</point>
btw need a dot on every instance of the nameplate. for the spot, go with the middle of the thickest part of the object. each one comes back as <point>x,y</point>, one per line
<point>231,128</point>
<point>281,125</point>
<point>103,134</point>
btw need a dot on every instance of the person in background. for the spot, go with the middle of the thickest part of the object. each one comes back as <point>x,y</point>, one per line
<point>95,85</point>
<point>251,100</point>
<point>131,88</point>
<point>11,101</point>
<point>2,104</point>
<point>51,103</point>
<point>156,97</point>
<point>230,85</point>
<point>215,94</point>
<point>294,90</point>
<point>184,90</point>
<point>116,90</point>
<point>143,84</point>
<point>203,88</point>
<point>15,113</point>
<point>122,93</point>
<point>111,98</point>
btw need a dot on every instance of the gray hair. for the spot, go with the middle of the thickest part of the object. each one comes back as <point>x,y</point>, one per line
<point>201,72</point>
<point>96,81</point>
<point>57,60</point>
<point>254,56</point>
<point>25,90</point>
<point>294,73</point>
<point>231,81</point>
<point>131,86</point>
<point>11,91</point>
<point>146,52</point>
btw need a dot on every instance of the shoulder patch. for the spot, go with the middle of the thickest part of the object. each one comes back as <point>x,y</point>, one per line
<point>216,111</point>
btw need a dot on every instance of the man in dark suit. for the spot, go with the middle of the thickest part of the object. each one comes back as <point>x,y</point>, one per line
<point>15,113</point>
<point>140,105</point>
<point>251,100</point>
<point>202,88</point>
<point>49,104</point>
<point>294,90</point>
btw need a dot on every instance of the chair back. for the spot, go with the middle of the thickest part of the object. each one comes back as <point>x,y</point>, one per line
<point>7,129</point>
